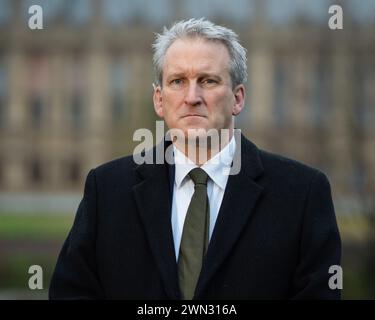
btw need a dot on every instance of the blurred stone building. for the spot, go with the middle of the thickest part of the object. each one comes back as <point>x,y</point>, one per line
<point>72,94</point>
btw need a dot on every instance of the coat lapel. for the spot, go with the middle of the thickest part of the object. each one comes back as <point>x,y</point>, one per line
<point>153,200</point>
<point>240,197</point>
<point>155,205</point>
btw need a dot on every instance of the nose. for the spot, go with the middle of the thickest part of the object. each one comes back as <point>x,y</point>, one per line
<point>193,95</point>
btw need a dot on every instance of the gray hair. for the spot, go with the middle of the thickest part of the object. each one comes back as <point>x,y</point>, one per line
<point>207,30</point>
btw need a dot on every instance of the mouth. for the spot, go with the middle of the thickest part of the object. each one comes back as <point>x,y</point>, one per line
<point>193,115</point>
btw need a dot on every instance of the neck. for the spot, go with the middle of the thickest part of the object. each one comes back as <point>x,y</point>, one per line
<point>200,150</point>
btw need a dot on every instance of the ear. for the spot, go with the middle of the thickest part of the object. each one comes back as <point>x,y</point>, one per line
<point>158,101</point>
<point>239,96</point>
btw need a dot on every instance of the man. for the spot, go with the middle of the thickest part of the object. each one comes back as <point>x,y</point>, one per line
<point>189,230</point>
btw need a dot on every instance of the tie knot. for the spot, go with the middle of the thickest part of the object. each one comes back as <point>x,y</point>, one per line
<point>199,176</point>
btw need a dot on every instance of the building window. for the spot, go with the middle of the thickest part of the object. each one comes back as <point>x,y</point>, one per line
<point>364,114</point>
<point>358,177</point>
<point>2,113</point>
<point>153,14</point>
<point>77,109</point>
<point>36,173</point>
<point>5,12</point>
<point>3,92</point>
<point>117,106</point>
<point>119,74</point>
<point>37,110</point>
<point>280,94</point>
<point>321,95</point>
<point>38,86</point>
<point>1,172</point>
<point>235,10</point>
<point>77,12</point>
<point>360,95</point>
<point>74,171</point>
<point>77,88</point>
<point>118,12</point>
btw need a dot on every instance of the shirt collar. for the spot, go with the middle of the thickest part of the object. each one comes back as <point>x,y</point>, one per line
<point>217,167</point>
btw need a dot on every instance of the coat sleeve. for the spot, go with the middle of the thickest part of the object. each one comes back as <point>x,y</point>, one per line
<point>75,275</point>
<point>320,246</point>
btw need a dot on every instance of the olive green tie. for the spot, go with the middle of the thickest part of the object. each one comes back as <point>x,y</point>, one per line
<point>194,241</point>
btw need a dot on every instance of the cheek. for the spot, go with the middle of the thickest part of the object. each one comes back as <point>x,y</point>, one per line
<point>170,106</point>
<point>172,102</point>
<point>222,104</point>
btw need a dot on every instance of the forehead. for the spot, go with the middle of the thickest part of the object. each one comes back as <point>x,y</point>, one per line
<point>196,54</point>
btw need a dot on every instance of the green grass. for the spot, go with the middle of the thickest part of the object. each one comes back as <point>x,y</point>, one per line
<point>17,229</point>
<point>34,239</point>
<point>34,226</point>
<point>14,270</point>
<point>354,228</point>
<point>354,284</point>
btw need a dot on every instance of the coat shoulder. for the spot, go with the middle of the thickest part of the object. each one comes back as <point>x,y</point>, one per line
<point>117,171</point>
<point>122,163</point>
<point>288,171</point>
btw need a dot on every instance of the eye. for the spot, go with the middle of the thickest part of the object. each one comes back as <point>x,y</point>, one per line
<point>176,82</point>
<point>209,81</point>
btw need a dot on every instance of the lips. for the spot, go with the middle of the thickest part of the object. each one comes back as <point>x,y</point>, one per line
<point>193,115</point>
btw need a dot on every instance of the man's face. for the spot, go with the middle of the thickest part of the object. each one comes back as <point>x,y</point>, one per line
<point>197,90</point>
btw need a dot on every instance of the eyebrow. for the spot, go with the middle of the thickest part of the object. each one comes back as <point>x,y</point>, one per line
<point>200,75</point>
<point>175,75</point>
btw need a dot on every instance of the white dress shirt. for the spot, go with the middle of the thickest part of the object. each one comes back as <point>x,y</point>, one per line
<point>217,169</point>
